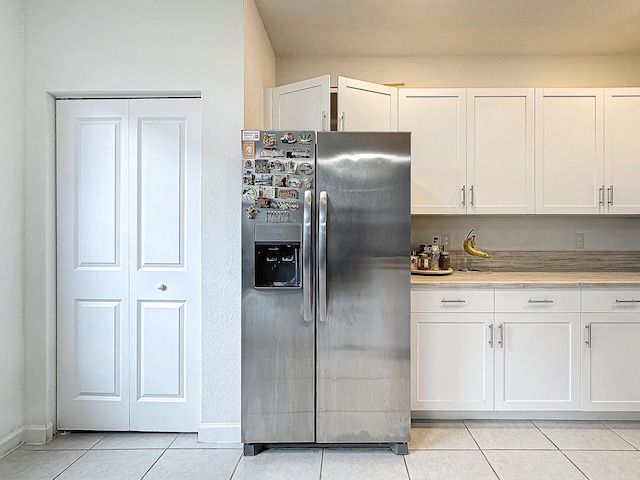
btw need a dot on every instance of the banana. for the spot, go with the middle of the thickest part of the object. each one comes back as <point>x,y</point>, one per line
<point>470,247</point>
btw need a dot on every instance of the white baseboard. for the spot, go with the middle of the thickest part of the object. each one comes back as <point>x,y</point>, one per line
<point>38,434</point>
<point>224,435</point>
<point>11,441</point>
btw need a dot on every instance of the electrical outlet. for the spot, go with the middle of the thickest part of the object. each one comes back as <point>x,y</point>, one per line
<point>446,240</point>
<point>579,238</point>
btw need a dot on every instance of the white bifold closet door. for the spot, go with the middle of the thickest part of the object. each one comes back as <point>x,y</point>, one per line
<point>128,275</point>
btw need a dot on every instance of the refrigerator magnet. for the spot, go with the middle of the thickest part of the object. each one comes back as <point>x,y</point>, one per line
<point>269,140</point>
<point>248,178</point>
<point>268,192</point>
<point>262,202</point>
<point>276,166</point>
<point>291,166</point>
<point>252,211</point>
<point>305,168</point>
<point>248,164</point>
<point>248,149</point>
<point>280,180</point>
<point>294,182</point>
<point>264,179</point>
<point>307,181</point>
<point>262,165</point>
<point>305,137</point>
<point>287,193</point>
<point>249,194</point>
<point>300,152</point>
<point>288,138</point>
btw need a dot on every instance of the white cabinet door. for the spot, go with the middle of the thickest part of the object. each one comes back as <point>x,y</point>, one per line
<point>453,364</point>
<point>366,107</point>
<point>537,361</point>
<point>128,228</point>
<point>302,105</point>
<point>622,150</point>
<point>610,353</point>
<point>569,151</point>
<point>610,362</point>
<point>500,170</point>
<point>436,119</point>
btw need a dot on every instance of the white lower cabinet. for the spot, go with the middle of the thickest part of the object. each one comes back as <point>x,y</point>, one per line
<point>503,350</point>
<point>452,358</point>
<point>611,350</point>
<point>537,355</point>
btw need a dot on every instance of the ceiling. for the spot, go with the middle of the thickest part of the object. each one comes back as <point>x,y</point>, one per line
<point>451,27</point>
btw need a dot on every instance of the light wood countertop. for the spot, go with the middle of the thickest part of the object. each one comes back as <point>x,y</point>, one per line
<point>527,279</point>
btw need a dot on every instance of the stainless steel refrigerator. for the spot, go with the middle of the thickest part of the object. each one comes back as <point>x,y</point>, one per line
<point>325,289</point>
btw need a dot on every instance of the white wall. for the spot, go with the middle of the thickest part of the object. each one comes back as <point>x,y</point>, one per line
<point>461,71</point>
<point>259,67</point>
<point>139,46</point>
<point>12,417</point>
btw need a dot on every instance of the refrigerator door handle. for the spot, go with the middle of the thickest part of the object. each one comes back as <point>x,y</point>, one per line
<point>307,277</point>
<point>322,257</point>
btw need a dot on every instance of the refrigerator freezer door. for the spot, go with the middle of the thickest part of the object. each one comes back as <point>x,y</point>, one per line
<point>363,370</point>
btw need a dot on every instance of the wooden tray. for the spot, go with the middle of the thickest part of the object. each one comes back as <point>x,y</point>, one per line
<point>432,272</point>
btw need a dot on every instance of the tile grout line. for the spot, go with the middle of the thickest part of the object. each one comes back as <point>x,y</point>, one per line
<point>560,450</point>
<point>235,469</point>
<point>620,436</point>
<point>481,451</point>
<point>406,467</point>
<point>71,464</point>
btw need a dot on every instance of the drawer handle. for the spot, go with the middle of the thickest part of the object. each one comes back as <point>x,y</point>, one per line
<point>627,301</point>
<point>540,301</point>
<point>453,301</point>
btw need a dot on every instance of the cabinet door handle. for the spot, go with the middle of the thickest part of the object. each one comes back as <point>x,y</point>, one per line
<point>610,195</point>
<point>460,300</point>
<point>464,195</point>
<point>342,122</point>
<point>627,301</point>
<point>539,301</point>
<point>491,335</point>
<point>501,337</point>
<point>471,196</point>
<point>588,335</point>
<point>324,121</point>
<point>601,195</point>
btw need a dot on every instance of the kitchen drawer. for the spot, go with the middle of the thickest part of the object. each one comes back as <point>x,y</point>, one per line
<point>452,300</point>
<point>538,300</point>
<point>610,300</point>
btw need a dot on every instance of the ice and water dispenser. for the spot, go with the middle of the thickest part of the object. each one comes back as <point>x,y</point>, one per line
<point>278,259</point>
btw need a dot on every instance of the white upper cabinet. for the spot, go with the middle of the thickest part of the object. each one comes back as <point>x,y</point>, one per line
<point>472,150</point>
<point>569,151</point>
<point>302,105</point>
<point>500,170</point>
<point>622,150</point>
<point>436,119</point>
<point>366,106</point>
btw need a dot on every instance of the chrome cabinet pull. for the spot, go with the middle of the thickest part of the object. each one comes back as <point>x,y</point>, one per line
<point>588,335</point>
<point>601,195</point>
<point>324,121</point>
<point>539,301</point>
<point>342,122</point>
<point>610,195</point>
<point>307,277</point>
<point>627,301</point>
<point>464,195</point>
<point>460,300</point>
<point>322,257</point>
<point>471,196</point>
<point>501,337</point>
<point>491,335</point>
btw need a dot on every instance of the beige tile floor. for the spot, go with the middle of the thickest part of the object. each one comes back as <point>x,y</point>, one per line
<point>439,450</point>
